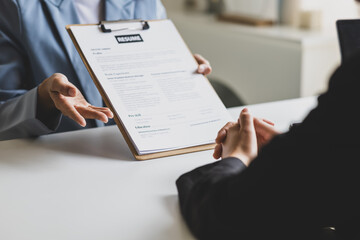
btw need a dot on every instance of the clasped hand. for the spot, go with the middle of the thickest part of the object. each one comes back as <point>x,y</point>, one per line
<point>244,138</point>
<point>56,92</point>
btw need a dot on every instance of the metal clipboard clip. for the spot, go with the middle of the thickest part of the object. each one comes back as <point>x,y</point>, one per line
<point>144,26</point>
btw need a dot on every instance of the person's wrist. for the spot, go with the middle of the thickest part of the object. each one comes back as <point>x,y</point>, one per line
<point>44,100</point>
<point>242,157</point>
<point>46,111</point>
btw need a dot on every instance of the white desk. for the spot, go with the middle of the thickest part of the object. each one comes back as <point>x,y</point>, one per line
<point>86,185</point>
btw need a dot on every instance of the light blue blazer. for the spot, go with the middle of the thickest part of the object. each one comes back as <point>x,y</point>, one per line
<point>34,44</point>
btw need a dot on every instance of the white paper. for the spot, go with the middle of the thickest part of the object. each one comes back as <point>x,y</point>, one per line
<point>153,85</point>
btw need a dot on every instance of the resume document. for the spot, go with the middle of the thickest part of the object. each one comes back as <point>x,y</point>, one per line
<point>149,77</point>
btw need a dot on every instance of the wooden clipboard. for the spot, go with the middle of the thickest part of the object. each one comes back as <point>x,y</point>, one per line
<point>116,118</point>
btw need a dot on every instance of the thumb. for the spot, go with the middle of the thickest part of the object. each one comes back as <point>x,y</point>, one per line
<point>61,84</point>
<point>246,120</point>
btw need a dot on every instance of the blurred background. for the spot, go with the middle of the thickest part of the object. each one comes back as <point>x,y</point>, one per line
<point>264,50</point>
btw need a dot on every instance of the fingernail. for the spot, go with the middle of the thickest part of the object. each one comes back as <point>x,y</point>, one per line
<point>201,69</point>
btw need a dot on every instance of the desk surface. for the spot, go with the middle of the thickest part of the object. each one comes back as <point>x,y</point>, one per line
<point>86,185</point>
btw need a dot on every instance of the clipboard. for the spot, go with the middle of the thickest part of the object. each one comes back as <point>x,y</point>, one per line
<point>105,27</point>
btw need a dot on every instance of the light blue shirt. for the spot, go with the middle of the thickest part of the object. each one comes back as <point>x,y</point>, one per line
<point>34,44</point>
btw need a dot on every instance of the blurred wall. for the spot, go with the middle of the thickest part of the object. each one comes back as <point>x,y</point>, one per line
<point>332,10</point>
<point>270,63</point>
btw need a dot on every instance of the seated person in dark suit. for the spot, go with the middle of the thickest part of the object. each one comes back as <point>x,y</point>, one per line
<point>283,186</point>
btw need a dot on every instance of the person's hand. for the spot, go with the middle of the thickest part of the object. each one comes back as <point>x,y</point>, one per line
<point>220,138</point>
<point>240,141</point>
<point>265,131</point>
<point>204,65</point>
<point>57,92</point>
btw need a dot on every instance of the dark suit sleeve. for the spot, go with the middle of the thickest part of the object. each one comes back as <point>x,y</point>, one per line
<point>194,191</point>
<point>302,181</point>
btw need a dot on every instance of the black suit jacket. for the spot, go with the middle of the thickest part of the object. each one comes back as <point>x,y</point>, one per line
<point>302,181</point>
